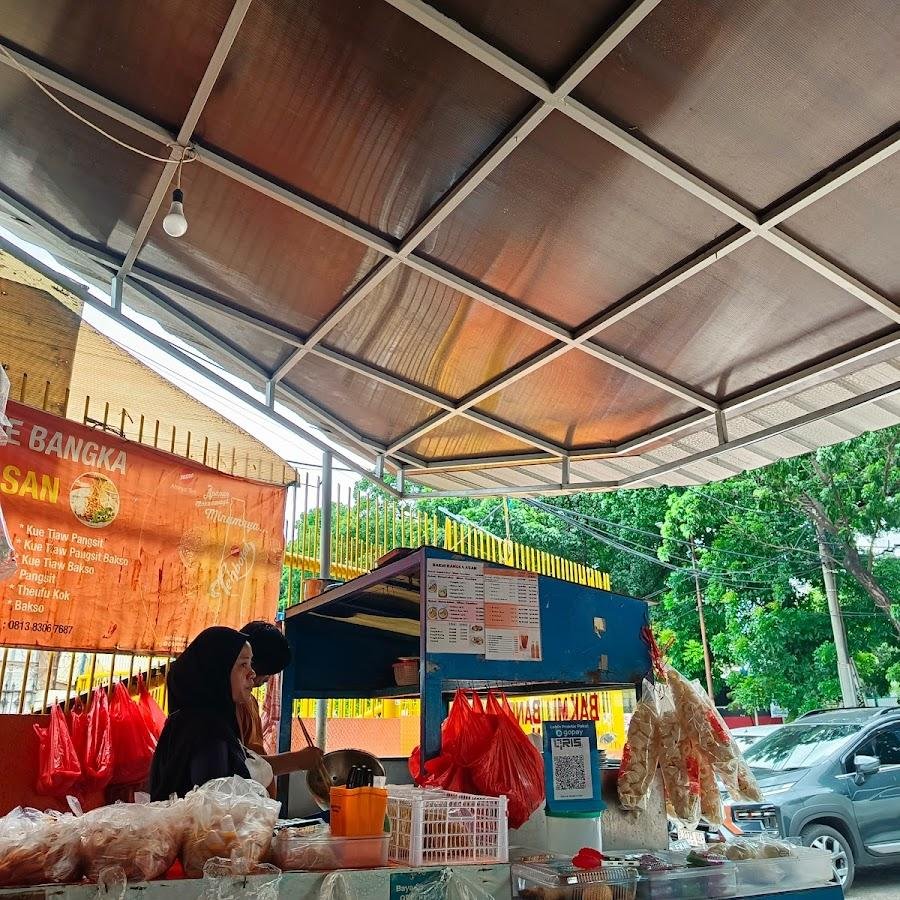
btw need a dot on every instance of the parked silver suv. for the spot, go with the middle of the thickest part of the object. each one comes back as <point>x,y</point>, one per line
<point>831,778</point>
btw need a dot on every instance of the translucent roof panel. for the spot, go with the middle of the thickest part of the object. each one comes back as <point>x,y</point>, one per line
<point>569,224</point>
<point>757,96</point>
<point>504,246</point>
<point>330,95</point>
<point>424,331</point>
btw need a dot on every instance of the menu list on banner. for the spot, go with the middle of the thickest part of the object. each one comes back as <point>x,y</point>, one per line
<point>512,615</point>
<point>454,606</point>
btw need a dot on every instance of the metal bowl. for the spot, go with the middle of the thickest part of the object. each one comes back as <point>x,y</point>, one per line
<point>338,764</point>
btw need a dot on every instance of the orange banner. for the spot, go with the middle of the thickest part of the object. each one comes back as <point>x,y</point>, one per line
<point>122,547</point>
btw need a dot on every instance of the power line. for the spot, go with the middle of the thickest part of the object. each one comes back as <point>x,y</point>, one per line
<point>726,577</point>
<point>686,543</point>
<point>643,550</point>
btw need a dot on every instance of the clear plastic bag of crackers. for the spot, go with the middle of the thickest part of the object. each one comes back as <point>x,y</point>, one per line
<point>141,838</point>
<point>38,848</point>
<point>228,818</point>
<point>706,728</point>
<point>641,753</point>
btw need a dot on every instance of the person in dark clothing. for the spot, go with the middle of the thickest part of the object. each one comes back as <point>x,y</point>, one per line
<point>201,739</point>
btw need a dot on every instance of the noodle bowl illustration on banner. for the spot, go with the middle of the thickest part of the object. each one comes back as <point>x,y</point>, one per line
<point>94,499</point>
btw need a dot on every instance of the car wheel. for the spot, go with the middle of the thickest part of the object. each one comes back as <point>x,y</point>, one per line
<point>824,838</point>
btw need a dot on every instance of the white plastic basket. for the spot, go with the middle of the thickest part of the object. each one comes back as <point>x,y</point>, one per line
<point>430,827</point>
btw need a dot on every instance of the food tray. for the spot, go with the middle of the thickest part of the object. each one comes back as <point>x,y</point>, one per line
<point>808,867</point>
<point>299,850</point>
<point>443,828</point>
<point>559,879</point>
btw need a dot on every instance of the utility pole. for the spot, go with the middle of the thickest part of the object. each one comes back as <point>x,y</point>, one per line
<point>707,662</point>
<point>844,664</point>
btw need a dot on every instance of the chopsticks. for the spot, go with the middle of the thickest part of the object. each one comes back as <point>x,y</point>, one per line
<point>323,772</point>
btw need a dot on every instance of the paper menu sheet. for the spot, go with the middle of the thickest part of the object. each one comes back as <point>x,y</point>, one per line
<point>512,615</point>
<point>454,606</point>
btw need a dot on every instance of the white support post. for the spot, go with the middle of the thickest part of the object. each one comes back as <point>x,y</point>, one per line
<point>324,572</point>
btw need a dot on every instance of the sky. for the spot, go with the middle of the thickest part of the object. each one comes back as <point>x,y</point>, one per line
<point>271,433</point>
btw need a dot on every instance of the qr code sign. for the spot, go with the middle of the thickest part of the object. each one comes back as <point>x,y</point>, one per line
<point>571,769</point>
<point>569,773</point>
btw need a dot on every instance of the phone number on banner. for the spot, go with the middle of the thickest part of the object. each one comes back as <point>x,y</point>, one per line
<point>40,627</point>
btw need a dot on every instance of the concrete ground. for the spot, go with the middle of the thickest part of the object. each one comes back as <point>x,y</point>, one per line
<point>876,884</point>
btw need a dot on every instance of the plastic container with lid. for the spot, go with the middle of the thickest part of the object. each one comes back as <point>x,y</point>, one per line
<point>708,883</point>
<point>558,877</point>
<point>805,867</point>
<point>302,850</point>
<point>568,832</point>
<point>406,671</point>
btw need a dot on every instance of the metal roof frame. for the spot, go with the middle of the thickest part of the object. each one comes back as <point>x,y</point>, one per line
<point>548,99</point>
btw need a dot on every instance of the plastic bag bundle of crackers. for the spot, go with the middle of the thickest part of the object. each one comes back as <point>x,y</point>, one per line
<point>677,727</point>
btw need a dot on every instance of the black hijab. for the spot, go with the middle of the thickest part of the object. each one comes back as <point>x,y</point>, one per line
<point>201,734</point>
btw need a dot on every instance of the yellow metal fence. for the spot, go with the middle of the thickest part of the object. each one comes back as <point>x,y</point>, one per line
<point>366,525</point>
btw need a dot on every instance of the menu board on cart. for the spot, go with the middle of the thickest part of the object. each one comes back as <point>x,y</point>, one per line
<point>475,608</point>
<point>512,615</point>
<point>454,606</point>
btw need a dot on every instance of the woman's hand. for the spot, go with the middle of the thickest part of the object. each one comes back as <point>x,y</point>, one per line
<point>295,761</point>
<point>310,758</point>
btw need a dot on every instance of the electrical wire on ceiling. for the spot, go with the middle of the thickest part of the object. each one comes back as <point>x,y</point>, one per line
<point>187,153</point>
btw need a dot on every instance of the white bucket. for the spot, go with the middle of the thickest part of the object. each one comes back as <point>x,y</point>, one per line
<point>566,835</point>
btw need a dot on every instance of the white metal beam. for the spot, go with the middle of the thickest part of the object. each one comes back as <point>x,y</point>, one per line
<point>741,404</point>
<point>663,382</point>
<point>474,46</point>
<point>192,117</point>
<point>203,298</point>
<point>660,286</point>
<point>836,177</point>
<point>873,396</point>
<point>86,96</point>
<point>233,353</point>
<point>817,415</point>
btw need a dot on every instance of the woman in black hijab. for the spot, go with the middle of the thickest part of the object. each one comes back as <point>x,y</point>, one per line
<point>201,740</point>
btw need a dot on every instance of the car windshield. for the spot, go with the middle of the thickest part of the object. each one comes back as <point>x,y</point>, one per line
<point>799,746</point>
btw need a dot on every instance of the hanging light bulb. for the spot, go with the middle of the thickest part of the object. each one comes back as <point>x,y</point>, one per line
<point>175,224</point>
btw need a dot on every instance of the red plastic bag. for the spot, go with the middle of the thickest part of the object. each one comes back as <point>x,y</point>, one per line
<point>132,743</point>
<point>58,766</point>
<point>97,762</point>
<point>511,765</point>
<point>465,736</point>
<point>478,728</point>
<point>78,725</point>
<point>93,743</point>
<point>154,717</point>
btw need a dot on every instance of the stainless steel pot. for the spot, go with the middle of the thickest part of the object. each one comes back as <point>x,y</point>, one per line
<point>338,764</point>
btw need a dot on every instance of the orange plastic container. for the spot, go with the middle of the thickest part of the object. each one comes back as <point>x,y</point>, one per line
<point>358,812</point>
